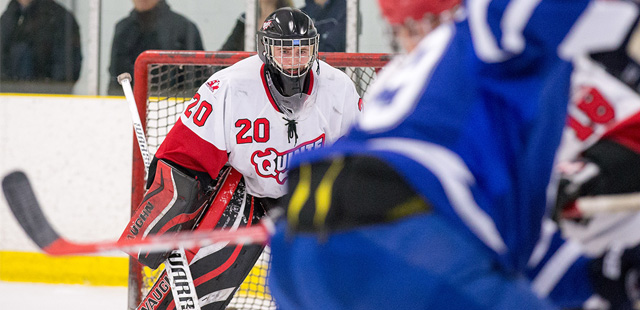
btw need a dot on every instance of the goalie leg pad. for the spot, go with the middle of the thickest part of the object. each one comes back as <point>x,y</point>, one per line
<point>174,202</point>
<point>219,269</point>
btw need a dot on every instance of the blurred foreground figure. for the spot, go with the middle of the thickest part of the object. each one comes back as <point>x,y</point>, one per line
<point>436,199</point>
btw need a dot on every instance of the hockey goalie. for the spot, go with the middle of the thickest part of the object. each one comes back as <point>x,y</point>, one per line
<point>234,140</point>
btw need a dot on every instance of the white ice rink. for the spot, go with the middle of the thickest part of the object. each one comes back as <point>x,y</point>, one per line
<point>32,296</point>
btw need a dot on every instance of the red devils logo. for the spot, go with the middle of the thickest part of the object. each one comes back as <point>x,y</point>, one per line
<point>272,164</point>
<point>213,85</point>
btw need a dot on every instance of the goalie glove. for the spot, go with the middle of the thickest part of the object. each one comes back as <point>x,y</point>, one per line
<point>615,277</point>
<point>174,202</point>
<point>606,168</point>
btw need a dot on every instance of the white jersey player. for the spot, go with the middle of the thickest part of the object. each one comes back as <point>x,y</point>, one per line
<point>253,116</point>
<point>600,150</point>
<point>236,117</point>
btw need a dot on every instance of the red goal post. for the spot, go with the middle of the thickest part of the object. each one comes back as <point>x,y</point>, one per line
<point>164,80</point>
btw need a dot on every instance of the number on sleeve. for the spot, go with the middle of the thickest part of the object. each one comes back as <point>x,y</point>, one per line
<point>202,113</point>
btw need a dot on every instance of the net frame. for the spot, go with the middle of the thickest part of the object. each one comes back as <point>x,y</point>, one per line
<point>185,58</point>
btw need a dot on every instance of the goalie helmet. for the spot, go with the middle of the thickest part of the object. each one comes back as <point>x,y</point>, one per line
<point>288,45</point>
<point>399,11</point>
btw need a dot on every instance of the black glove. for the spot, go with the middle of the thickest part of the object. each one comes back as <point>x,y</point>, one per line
<point>605,168</point>
<point>615,277</point>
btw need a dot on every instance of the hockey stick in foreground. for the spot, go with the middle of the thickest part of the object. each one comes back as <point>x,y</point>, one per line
<point>590,206</point>
<point>26,209</point>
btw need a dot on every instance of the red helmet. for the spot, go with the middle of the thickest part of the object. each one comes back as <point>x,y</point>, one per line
<point>397,11</point>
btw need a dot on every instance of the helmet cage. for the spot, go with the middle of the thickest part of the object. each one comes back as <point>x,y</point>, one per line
<point>289,56</point>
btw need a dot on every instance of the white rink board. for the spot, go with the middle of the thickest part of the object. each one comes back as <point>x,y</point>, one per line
<point>77,152</point>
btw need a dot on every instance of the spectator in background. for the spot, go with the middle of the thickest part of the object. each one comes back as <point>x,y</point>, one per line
<point>330,17</point>
<point>150,26</point>
<point>39,42</point>
<point>235,41</point>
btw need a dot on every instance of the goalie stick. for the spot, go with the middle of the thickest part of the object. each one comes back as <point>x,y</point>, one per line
<point>176,263</point>
<point>125,81</point>
<point>27,211</point>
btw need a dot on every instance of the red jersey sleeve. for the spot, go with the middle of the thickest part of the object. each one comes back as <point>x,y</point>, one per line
<point>185,148</point>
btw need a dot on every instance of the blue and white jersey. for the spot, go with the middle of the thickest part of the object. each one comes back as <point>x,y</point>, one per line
<point>472,117</point>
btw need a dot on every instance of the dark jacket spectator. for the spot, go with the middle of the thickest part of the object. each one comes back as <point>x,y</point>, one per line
<point>157,28</point>
<point>330,18</point>
<point>235,41</point>
<point>39,41</point>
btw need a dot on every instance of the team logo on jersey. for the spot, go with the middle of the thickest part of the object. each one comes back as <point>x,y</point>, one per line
<point>213,85</point>
<point>272,164</point>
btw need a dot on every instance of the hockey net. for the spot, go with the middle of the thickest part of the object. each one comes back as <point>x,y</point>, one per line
<point>163,82</point>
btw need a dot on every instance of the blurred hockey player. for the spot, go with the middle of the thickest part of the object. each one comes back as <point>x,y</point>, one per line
<point>252,117</point>
<point>436,199</point>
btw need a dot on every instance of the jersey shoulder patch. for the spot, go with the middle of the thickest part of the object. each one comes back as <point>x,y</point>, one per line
<point>213,85</point>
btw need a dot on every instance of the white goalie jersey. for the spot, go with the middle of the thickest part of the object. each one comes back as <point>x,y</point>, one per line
<point>233,118</point>
<point>600,103</point>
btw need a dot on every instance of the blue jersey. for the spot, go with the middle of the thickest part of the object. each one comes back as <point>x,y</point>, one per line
<point>472,118</point>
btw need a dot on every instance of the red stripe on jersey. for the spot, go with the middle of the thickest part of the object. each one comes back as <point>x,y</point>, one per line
<point>626,133</point>
<point>310,82</point>
<point>183,147</point>
<point>266,89</point>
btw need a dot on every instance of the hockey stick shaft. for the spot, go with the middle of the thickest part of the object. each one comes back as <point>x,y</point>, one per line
<point>25,207</point>
<point>589,206</point>
<point>184,299</point>
<point>125,80</point>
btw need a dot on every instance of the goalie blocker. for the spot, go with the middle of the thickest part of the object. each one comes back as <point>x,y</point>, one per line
<point>176,201</point>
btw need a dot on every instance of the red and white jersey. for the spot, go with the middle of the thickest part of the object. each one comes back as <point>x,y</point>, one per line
<point>602,107</point>
<point>600,102</point>
<point>233,118</point>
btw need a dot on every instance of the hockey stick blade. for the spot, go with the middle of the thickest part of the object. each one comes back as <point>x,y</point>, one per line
<point>585,207</point>
<point>25,207</point>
